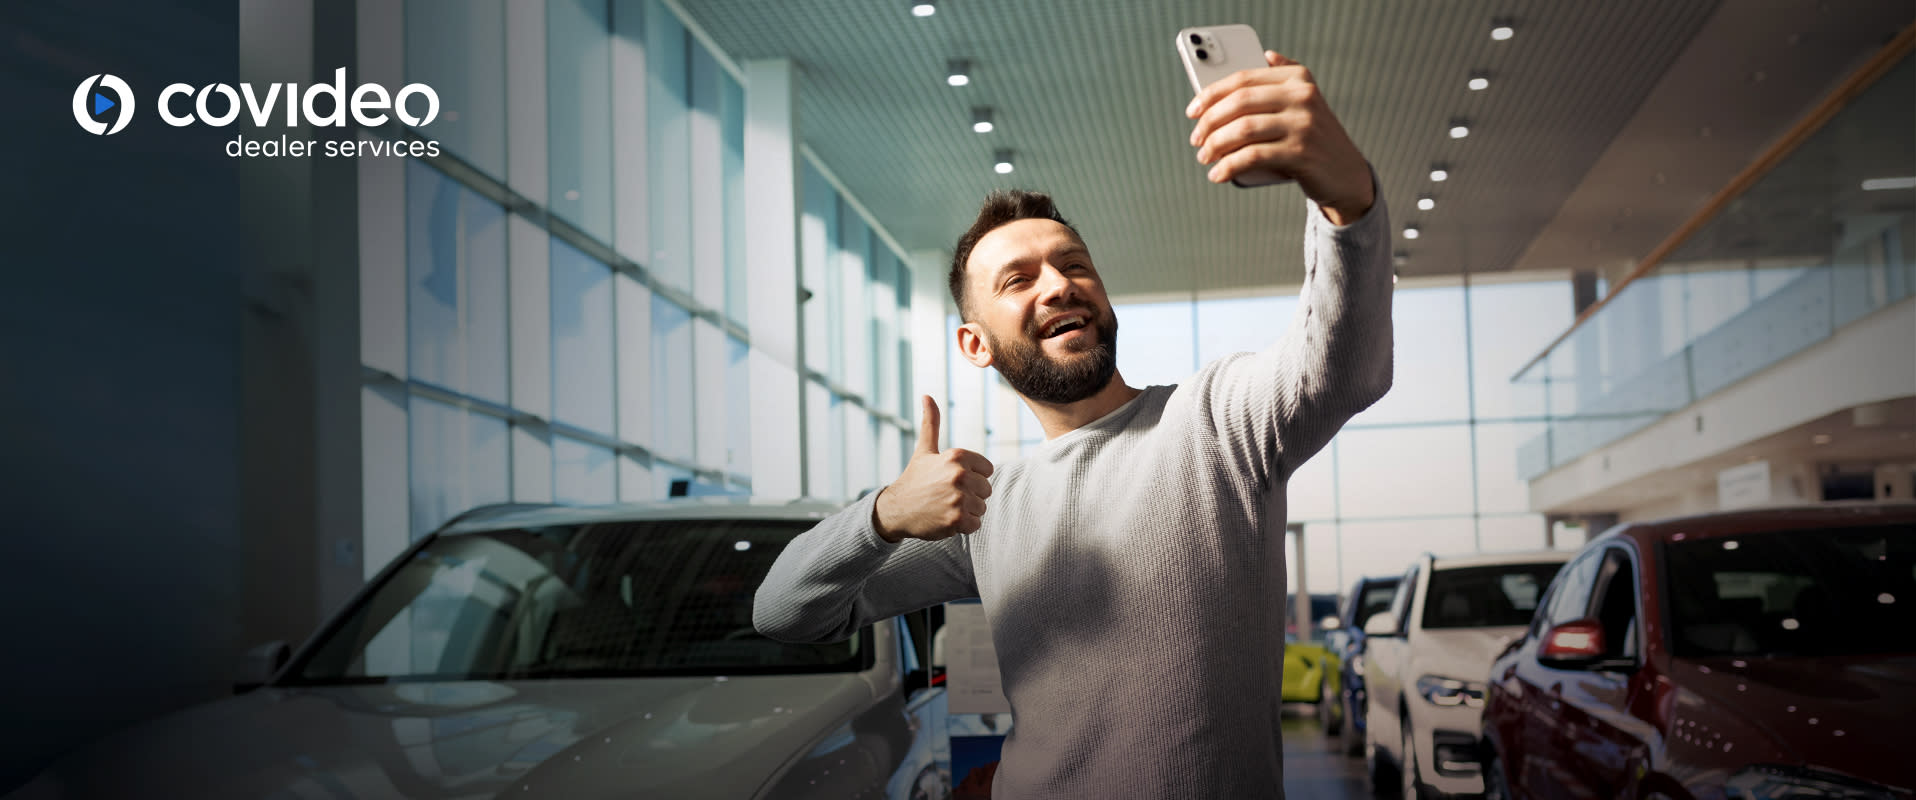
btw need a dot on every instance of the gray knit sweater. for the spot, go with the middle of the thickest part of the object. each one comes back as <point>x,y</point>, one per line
<point>1133,569</point>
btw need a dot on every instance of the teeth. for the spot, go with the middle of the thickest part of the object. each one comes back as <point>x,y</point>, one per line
<point>1052,329</point>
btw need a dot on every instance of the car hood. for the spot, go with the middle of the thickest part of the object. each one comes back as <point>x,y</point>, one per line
<point>1823,712</point>
<point>642,737</point>
<point>1461,653</point>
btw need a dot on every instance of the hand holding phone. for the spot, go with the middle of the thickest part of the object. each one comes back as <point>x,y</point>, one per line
<point>1261,119</point>
<point>1211,54</point>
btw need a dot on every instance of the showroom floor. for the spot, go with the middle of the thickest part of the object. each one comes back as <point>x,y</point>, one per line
<point>1313,769</point>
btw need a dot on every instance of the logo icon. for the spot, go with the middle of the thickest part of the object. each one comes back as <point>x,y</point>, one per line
<point>103,104</point>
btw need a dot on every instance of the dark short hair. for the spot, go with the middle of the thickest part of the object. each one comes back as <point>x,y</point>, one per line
<point>1001,207</point>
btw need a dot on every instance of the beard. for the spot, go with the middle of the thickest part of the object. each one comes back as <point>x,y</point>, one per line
<point>1086,368</point>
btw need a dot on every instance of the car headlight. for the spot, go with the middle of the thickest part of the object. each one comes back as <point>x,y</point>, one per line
<point>1774,782</point>
<point>1441,691</point>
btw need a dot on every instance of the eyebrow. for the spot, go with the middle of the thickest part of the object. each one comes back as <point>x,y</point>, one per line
<point>1071,249</point>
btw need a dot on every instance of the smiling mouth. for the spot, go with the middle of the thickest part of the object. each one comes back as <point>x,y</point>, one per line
<point>1057,329</point>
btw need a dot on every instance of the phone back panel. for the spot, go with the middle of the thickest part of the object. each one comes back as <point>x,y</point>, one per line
<point>1218,51</point>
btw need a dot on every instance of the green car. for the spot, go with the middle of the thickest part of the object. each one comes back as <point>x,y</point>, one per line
<point>1311,670</point>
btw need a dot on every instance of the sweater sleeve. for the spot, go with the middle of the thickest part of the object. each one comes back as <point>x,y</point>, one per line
<point>841,576</point>
<point>1276,408</point>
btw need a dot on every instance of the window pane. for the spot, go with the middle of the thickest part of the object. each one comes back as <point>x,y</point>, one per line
<point>1430,362</point>
<point>579,102</point>
<point>882,323</point>
<point>1241,325</point>
<point>1509,325</point>
<point>1403,472</point>
<point>581,340</point>
<point>667,119</point>
<point>583,474</point>
<point>458,48</point>
<point>732,123</point>
<point>1311,491</point>
<point>455,286</point>
<point>1155,343</point>
<point>825,443</point>
<point>851,304</point>
<point>818,231</point>
<point>1498,487</point>
<point>1388,548</point>
<point>1510,534</point>
<point>672,389</point>
<point>636,484</point>
<point>458,462</point>
<point>738,408</point>
<point>708,179</point>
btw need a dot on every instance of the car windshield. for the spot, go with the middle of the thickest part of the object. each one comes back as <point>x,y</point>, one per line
<point>1830,592</point>
<point>1486,597</point>
<point>1377,597</point>
<point>592,600</point>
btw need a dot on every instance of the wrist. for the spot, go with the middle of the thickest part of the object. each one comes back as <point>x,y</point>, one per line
<point>878,522</point>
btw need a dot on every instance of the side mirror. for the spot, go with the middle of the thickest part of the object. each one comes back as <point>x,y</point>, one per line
<point>1572,645</point>
<point>260,664</point>
<point>1329,623</point>
<point>1382,623</point>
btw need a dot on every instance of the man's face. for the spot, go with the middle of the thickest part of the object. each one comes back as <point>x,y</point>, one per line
<point>1040,312</point>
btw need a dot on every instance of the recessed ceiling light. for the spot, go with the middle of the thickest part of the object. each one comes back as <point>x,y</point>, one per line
<point>1459,128</point>
<point>1479,81</point>
<point>923,8</point>
<point>1502,29</point>
<point>960,72</point>
<point>1884,184</point>
<point>1002,162</point>
<point>1426,203</point>
<point>1439,173</point>
<point>1412,232</point>
<point>981,119</point>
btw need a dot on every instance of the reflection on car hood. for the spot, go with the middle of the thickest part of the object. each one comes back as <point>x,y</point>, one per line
<point>1842,714</point>
<point>650,737</point>
<point>1461,653</point>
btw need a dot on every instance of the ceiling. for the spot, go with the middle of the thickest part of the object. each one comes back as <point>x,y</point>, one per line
<point>1605,125</point>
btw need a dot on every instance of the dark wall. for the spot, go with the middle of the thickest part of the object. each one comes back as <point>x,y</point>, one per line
<point>120,349</point>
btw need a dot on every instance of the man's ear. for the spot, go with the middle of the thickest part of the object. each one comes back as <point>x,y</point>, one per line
<point>971,342</point>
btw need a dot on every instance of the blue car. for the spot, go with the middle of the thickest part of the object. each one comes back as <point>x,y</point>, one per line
<point>1346,717</point>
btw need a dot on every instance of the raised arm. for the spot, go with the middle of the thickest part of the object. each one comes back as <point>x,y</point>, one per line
<point>1276,408</point>
<point>900,549</point>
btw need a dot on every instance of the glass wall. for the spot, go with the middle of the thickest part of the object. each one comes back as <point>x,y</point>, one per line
<point>857,359</point>
<point>566,345</point>
<point>1824,239</point>
<point>1430,467</point>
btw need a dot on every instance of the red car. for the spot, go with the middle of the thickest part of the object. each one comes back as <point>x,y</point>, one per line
<point>1739,655</point>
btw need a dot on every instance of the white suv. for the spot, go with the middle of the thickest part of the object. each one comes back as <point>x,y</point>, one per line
<point>1427,658</point>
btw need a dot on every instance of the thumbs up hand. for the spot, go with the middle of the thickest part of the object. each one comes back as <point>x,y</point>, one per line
<point>938,495</point>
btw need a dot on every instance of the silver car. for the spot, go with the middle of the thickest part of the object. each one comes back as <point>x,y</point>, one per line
<point>555,652</point>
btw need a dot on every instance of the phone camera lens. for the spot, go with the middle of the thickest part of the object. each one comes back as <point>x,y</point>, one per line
<point>1196,39</point>
<point>1202,56</point>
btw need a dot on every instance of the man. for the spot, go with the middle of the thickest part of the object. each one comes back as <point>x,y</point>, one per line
<point>1132,567</point>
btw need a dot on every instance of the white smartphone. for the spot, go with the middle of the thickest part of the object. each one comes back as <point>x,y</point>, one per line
<point>1214,52</point>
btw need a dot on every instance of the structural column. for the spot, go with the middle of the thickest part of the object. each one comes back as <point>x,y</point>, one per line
<point>772,210</point>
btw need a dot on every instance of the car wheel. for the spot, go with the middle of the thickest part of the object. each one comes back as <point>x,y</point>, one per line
<point>1410,783</point>
<point>1383,782</point>
<point>1494,786</point>
<point>1330,709</point>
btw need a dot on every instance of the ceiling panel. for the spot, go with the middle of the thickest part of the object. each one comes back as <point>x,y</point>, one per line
<point>1090,96</point>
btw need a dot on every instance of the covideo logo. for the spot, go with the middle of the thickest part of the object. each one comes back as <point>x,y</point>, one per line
<point>103,104</point>
<point>99,113</point>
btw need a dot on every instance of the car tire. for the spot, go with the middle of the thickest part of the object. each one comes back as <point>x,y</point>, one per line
<point>1353,738</point>
<point>1411,785</point>
<point>1377,768</point>
<point>1330,709</point>
<point>1495,787</point>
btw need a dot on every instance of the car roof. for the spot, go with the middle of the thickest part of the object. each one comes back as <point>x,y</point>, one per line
<point>492,518</point>
<point>1501,559</point>
<point>1775,518</point>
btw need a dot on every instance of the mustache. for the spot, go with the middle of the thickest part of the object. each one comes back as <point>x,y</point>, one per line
<point>1092,316</point>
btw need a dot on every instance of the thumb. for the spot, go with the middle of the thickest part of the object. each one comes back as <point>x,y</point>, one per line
<point>928,429</point>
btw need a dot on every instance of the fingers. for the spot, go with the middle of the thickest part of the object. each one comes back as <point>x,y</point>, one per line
<point>1257,99</point>
<point>928,427</point>
<point>1240,132</point>
<point>969,523</point>
<point>1223,87</point>
<point>1248,158</point>
<point>975,485</point>
<point>972,461</point>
